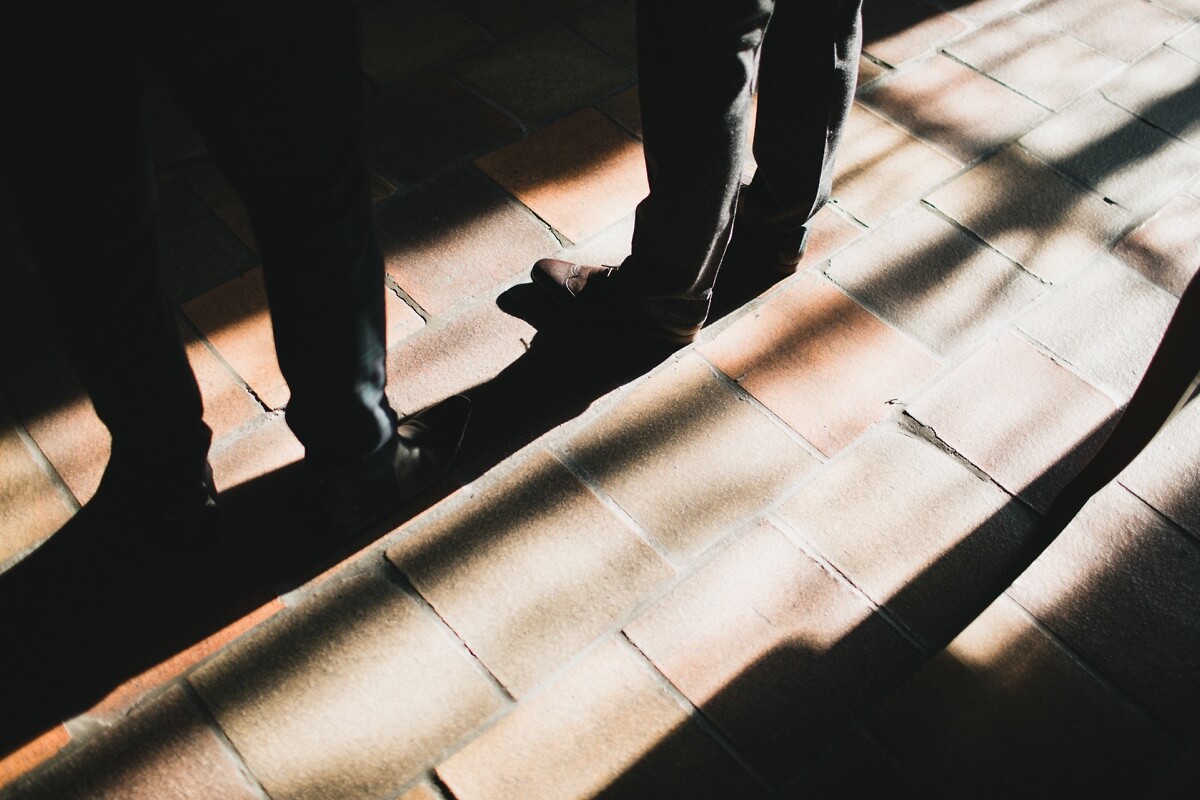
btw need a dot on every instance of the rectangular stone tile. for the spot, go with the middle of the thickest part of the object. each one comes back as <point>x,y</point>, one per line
<point>198,251</point>
<point>227,404</point>
<point>933,281</point>
<point>1164,88</point>
<point>60,419</point>
<point>458,237</point>
<point>234,318</point>
<point>350,695</point>
<point>818,360</point>
<point>1121,586</point>
<point>542,73</point>
<point>1166,474</point>
<point>761,637</point>
<point>164,750</point>
<point>610,25</point>
<point>505,16</point>
<point>624,108</point>
<point>1048,67</point>
<point>881,167</point>
<point>607,728</point>
<point>422,791</point>
<point>954,107</point>
<point>454,124</point>
<point>1004,711</point>
<point>1024,420</point>
<point>1123,29</point>
<point>895,31</point>
<point>1030,213</point>
<point>1166,247</point>
<point>1106,322</point>
<point>454,353</point>
<point>983,10</point>
<point>254,453</point>
<point>404,36</point>
<point>855,768</point>
<point>30,756</point>
<point>912,527</point>
<point>120,700</point>
<point>868,71</point>
<point>212,187</point>
<point>739,461</point>
<point>32,507</point>
<point>528,567</point>
<point>1115,153</point>
<point>580,174</point>
<point>1188,42</point>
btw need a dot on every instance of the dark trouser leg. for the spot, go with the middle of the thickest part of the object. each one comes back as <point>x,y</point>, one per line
<point>79,160</point>
<point>695,68</point>
<point>279,101</point>
<point>806,80</point>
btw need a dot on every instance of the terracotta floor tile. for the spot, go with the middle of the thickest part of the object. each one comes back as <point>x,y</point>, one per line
<point>61,421</point>
<point>454,125</point>
<point>352,694</point>
<point>855,768</point>
<point>984,10</point>
<point>819,361</point>
<point>880,167</point>
<point>505,16</point>
<point>235,319</point>
<point>198,251</point>
<point>1166,247</point>
<point>912,527</point>
<point>1123,29</point>
<point>513,73</point>
<point>121,699</point>
<point>829,232</point>
<point>227,404</point>
<point>1164,88</point>
<point>1030,213</point>
<point>933,281</point>
<point>625,109</point>
<point>1187,42</point>
<point>265,449</point>
<point>611,26</point>
<point>954,107</point>
<point>32,755</point>
<point>895,31</point>
<point>1120,586</point>
<point>761,637</point>
<point>1117,154</point>
<point>640,742</point>
<point>580,174</point>
<point>164,750</point>
<point>208,182</point>
<point>458,237</point>
<point>1048,67</point>
<point>31,506</point>
<point>1166,475</point>
<point>405,36</point>
<point>453,355</point>
<point>738,460</point>
<point>1106,322</point>
<point>528,567</point>
<point>1024,420</point>
<point>1004,708</point>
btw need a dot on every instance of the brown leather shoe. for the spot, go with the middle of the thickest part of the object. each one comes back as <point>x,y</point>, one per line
<point>598,294</point>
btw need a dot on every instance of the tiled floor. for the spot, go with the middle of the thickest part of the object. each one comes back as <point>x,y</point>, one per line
<point>766,566</point>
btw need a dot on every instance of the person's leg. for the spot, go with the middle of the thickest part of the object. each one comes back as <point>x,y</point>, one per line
<point>278,98</point>
<point>806,80</point>
<point>695,71</point>
<point>78,157</point>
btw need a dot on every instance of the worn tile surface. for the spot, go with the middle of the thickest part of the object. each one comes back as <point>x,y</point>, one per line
<point>933,281</point>
<point>1167,473</point>
<point>1164,88</point>
<point>1123,29</point>
<point>1166,247</point>
<point>689,458</point>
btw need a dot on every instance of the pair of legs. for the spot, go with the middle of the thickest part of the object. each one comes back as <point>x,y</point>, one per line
<point>275,89</point>
<point>696,70</point>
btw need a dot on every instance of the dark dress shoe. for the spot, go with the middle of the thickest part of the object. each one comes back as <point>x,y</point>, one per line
<point>418,456</point>
<point>599,295</point>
